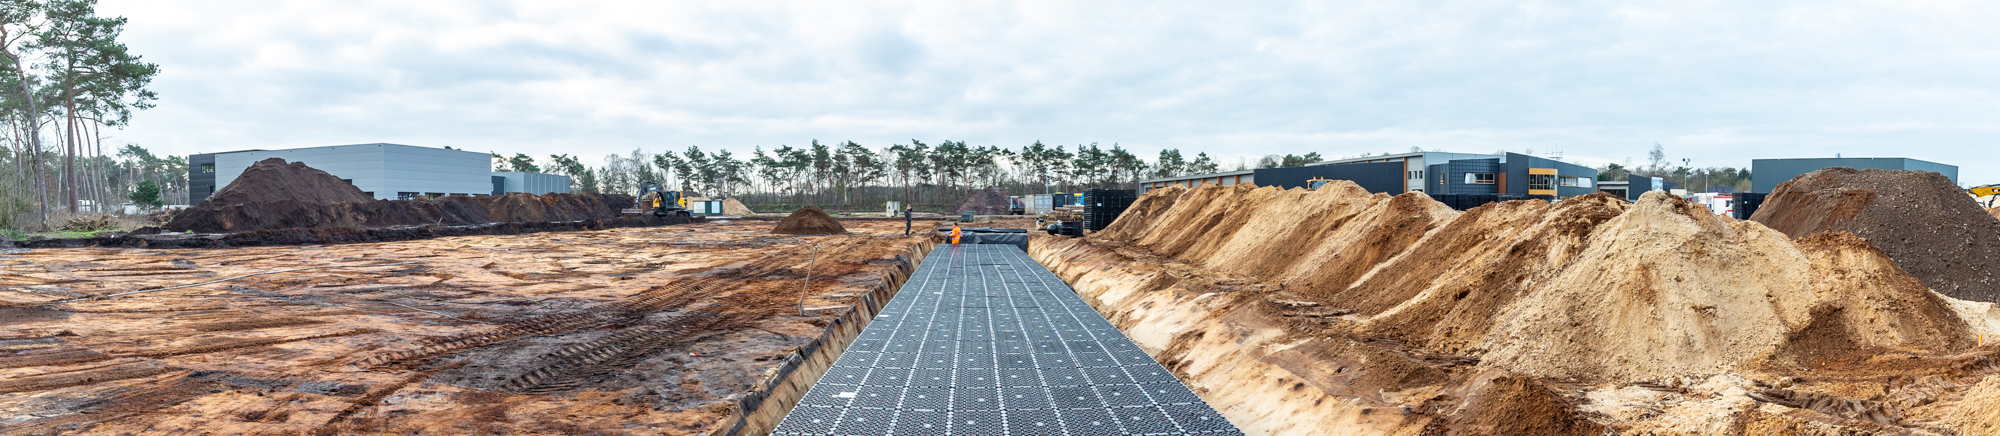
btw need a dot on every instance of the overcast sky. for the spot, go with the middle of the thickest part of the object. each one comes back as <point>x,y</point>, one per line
<point>1719,82</point>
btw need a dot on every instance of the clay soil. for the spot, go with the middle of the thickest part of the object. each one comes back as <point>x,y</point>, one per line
<point>619,331</point>
<point>1921,219</point>
<point>1314,311</point>
<point>809,220</point>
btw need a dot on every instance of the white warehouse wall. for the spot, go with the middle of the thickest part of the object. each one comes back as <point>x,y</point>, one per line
<point>534,183</point>
<point>381,169</point>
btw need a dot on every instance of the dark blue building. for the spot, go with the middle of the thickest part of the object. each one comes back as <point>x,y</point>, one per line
<point>1436,173</point>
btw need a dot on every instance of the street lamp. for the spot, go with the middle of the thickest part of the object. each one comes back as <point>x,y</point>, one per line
<point>1687,166</point>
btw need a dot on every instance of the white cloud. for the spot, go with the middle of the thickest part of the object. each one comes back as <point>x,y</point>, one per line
<point>1719,82</point>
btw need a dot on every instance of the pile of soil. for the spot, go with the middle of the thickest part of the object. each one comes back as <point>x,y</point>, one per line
<point>732,207</point>
<point>273,194</point>
<point>1994,211</point>
<point>1919,218</point>
<point>1591,288</point>
<point>989,201</point>
<point>809,220</point>
<point>273,180</point>
<point>1554,297</point>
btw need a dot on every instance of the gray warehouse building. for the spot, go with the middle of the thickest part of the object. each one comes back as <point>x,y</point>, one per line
<point>1428,172</point>
<point>1766,174</point>
<point>384,171</point>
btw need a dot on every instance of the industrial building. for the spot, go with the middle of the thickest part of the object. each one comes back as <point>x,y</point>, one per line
<point>1435,173</point>
<point>383,171</point>
<point>1768,173</point>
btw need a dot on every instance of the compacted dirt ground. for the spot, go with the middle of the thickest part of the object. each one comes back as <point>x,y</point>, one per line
<point>620,331</point>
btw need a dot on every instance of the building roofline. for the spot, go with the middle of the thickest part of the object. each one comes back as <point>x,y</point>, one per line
<point>1200,176</point>
<point>336,146</point>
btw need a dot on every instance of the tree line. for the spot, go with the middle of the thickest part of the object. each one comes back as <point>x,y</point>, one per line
<point>849,173</point>
<point>1711,179</point>
<point>64,79</point>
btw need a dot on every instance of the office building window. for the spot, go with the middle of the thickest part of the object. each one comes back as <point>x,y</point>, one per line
<point>350,182</point>
<point>208,168</point>
<point>406,196</point>
<point>1481,178</point>
<point>433,195</point>
<point>370,194</point>
<point>1567,181</point>
<point>1541,182</point>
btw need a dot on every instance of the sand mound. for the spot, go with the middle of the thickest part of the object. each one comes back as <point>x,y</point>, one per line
<point>1919,218</point>
<point>1591,288</point>
<point>1994,211</point>
<point>989,201</point>
<point>809,220</point>
<point>732,207</point>
<point>275,195</point>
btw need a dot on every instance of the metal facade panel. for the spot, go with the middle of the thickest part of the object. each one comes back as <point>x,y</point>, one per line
<point>984,341</point>
<point>359,164</point>
<point>1766,174</point>
<point>201,184</point>
<point>424,169</point>
<point>1949,171</point>
<point>534,183</point>
<point>1386,177</point>
<point>1455,181</point>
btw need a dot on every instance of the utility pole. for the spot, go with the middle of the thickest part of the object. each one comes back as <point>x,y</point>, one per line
<point>1687,166</point>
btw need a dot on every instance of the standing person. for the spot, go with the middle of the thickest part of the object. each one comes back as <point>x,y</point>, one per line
<point>907,212</point>
<point>955,233</point>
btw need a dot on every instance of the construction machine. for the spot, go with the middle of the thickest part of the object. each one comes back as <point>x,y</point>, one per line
<point>1989,192</point>
<point>659,201</point>
<point>1316,182</point>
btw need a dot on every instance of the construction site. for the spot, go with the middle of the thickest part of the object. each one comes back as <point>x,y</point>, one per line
<point>1852,302</point>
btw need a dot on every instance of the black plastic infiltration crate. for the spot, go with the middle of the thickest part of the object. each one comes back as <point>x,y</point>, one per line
<point>1747,203</point>
<point>1102,206</point>
<point>984,341</point>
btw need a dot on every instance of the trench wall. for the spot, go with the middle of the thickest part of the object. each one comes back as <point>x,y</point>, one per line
<point>1262,380</point>
<point>759,411</point>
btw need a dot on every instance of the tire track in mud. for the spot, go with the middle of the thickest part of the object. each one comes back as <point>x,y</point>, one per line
<point>99,375</point>
<point>676,295</point>
<point>80,415</point>
<point>242,343</point>
<point>574,364</point>
<point>376,396</point>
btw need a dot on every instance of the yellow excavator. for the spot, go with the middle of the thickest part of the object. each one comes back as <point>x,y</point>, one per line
<point>659,201</point>
<point>1989,192</point>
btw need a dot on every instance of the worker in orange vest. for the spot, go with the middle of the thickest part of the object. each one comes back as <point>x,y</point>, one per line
<point>955,234</point>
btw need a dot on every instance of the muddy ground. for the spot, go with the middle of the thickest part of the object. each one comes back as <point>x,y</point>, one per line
<point>617,331</point>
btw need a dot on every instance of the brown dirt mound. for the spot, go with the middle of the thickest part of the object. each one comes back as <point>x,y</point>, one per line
<point>274,195</point>
<point>1994,211</point>
<point>989,201</point>
<point>1920,219</point>
<point>1515,405</point>
<point>809,220</point>
<point>1591,288</point>
<point>272,180</point>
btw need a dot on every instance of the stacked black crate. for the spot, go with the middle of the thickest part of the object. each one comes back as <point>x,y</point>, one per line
<point>1747,204</point>
<point>1102,206</point>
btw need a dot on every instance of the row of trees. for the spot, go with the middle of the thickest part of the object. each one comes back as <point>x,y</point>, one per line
<point>1711,179</point>
<point>855,174</point>
<point>64,79</point>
